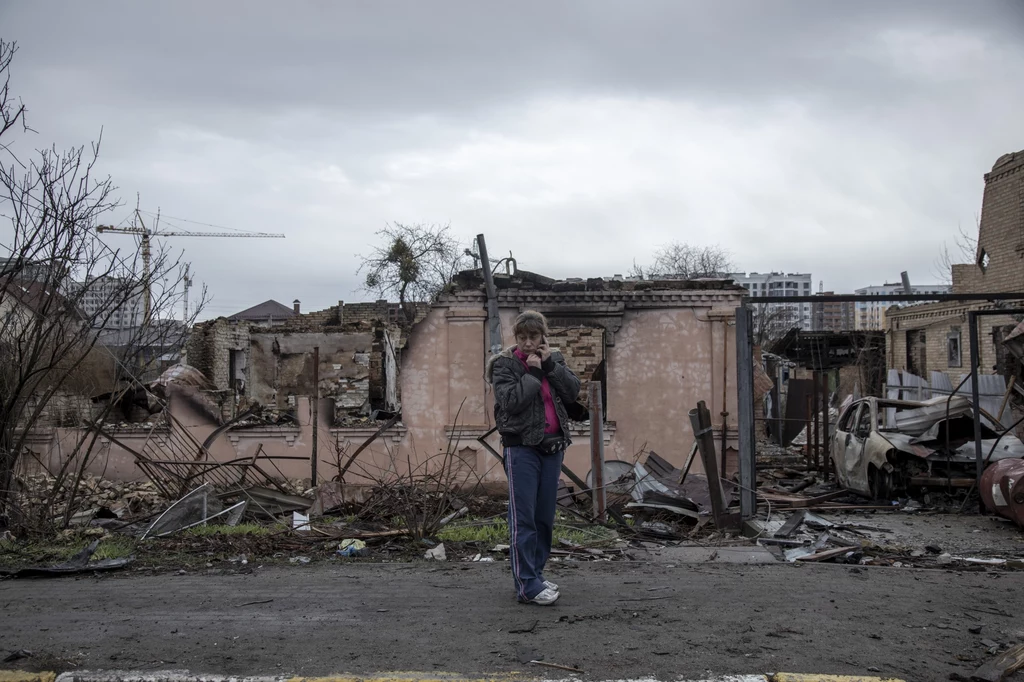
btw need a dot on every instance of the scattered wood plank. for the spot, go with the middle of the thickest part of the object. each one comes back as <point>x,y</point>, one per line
<point>791,525</point>
<point>645,598</point>
<point>556,666</point>
<point>994,612</point>
<point>806,483</point>
<point>803,502</point>
<point>998,668</point>
<point>827,554</point>
<point>853,507</point>
<point>250,603</point>
<point>689,462</point>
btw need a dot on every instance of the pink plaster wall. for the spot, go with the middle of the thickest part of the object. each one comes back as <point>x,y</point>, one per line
<point>660,362</point>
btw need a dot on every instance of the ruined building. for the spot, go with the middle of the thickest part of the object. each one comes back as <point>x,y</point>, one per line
<point>263,360</point>
<point>934,336</point>
<point>656,347</point>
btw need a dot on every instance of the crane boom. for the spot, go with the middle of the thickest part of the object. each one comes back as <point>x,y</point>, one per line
<point>183,233</point>
<point>146,234</point>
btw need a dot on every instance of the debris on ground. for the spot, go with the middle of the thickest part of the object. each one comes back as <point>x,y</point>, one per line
<point>195,509</point>
<point>350,548</point>
<point>436,553</point>
<point>80,563</point>
<point>1001,666</point>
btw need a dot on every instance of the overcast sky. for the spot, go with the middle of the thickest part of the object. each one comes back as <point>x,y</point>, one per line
<point>844,139</point>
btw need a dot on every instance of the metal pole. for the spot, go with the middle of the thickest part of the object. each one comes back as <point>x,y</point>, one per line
<point>816,392</point>
<point>316,413</point>
<point>807,431</point>
<point>778,410</point>
<point>597,448</point>
<point>972,321</point>
<point>745,410</point>
<point>493,321</point>
<point>725,384</point>
<point>827,454</point>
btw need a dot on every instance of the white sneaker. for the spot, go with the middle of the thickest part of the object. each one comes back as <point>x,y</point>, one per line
<point>545,597</point>
<point>550,585</point>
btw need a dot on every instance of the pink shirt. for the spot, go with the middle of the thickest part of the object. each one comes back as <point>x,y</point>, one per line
<point>550,413</point>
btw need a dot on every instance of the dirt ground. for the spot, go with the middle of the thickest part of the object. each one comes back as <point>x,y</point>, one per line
<point>615,619</point>
<point>708,607</point>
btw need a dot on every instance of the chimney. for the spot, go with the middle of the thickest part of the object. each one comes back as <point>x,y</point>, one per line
<point>296,306</point>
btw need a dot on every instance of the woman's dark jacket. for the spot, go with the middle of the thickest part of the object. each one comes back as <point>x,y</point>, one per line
<point>519,405</point>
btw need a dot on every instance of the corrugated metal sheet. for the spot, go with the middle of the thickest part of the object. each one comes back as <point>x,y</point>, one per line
<point>991,389</point>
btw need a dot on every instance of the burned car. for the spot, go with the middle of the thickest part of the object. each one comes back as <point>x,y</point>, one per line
<point>883,448</point>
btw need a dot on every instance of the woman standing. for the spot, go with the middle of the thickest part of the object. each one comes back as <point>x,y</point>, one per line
<point>532,386</point>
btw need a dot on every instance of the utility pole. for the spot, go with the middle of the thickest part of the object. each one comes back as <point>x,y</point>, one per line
<point>316,414</point>
<point>493,321</point>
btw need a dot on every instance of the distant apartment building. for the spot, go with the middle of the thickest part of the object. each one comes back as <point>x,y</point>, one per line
<point>870,315</point>
<point>787,315</point>
<point>104,302</point>
<point>829,316</point>
<point>31,271</point>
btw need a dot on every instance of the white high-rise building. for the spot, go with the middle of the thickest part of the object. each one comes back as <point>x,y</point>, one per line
<point>784,315</point>
<point>870,315</point>
<point>102,294</point>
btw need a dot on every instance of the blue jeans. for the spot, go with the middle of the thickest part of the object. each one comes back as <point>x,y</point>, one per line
<point>532,498</point>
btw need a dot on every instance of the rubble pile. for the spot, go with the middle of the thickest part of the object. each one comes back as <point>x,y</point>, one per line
<point>95,496</point>
<point>256,414</point>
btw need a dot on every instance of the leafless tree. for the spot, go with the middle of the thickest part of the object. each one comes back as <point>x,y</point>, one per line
<point>772,321</point>
<point>685,261</point>
<point>415,263</point>
<point>964,250</point>
<point>60,288</point>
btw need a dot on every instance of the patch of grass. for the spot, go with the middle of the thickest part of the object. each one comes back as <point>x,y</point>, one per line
<point>115,547</point>
<point>60,549</point>
<point>495,531</point>
<point>240,529</point>
<point>491,531</point>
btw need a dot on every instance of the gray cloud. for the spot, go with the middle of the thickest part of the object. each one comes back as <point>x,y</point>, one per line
<point>787,132</point>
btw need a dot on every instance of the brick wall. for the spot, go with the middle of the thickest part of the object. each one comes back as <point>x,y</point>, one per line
<point>583,348</point>
<point>1000,234</point>
<point>937,323</point>
<point>209,346</point>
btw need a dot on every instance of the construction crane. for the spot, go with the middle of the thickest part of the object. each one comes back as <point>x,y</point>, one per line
<point>145,234</point>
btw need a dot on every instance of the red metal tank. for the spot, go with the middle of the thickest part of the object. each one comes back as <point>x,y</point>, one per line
<point>1002,489</point>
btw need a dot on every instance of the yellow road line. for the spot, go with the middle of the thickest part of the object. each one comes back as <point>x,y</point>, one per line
<point>22,676</point>
<point>801,677</point>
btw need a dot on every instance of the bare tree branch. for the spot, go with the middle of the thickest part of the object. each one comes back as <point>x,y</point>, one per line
<point>772,321</point>
<point>415,264</point>
<point>677,260</point>
<point>964,250</point>
<point>55,336</point>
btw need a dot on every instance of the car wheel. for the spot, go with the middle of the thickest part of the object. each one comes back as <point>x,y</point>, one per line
<point>881,485</point>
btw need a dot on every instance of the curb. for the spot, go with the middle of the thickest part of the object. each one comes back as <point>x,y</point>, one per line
<point>186,676</point>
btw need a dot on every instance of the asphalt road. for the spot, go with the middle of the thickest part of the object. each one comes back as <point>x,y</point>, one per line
<point>615,620</point>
